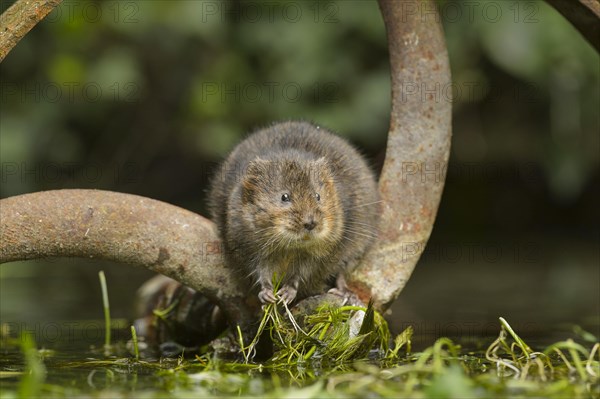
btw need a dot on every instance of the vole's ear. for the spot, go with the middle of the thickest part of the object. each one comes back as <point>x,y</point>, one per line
<point>322,163</point>
<point>320,169</point>
<point>255,171</point>
<point>256,168</point>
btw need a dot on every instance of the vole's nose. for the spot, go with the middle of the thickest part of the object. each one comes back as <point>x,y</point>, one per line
<point>310,223</point>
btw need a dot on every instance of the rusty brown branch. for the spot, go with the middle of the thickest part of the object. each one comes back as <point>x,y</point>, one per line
<point>19,19</point>
<point>584,15</point>
<point>122,228</point>
<point>417,152</point>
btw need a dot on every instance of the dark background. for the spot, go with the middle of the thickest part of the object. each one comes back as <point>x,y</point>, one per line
<point>146,97</point>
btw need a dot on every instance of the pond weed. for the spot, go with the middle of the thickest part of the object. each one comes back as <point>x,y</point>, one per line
<point>335,352</point>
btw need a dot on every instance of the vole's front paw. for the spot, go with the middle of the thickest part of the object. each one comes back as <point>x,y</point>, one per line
<point>287,293</point>
<point>266,295</point>
<point>344,293</point>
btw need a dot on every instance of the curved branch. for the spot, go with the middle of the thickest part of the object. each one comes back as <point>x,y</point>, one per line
<point>122,228</point>
<point>417,151</point>
<point>19,19</point>
<point>584,15</point>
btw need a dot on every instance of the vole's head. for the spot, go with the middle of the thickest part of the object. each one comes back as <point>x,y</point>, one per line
<point>293,203</point>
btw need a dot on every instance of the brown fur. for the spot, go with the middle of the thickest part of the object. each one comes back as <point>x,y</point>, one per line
<point>305,241</point>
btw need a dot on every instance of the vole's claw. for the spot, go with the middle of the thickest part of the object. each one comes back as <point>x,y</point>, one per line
<point>287,293</point>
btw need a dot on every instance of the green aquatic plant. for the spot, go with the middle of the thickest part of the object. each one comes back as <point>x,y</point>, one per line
<point>337,352</point>
<point>106,308</point>
<point>134,342</point>
<point>518,359</point>
<point>33,378</point>
<point>331,335</point>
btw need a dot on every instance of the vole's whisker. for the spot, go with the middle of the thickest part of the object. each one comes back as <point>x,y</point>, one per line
<point>360,233</point>
<point>367,204</point>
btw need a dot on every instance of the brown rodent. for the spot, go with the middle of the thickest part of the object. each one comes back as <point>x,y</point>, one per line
<point>296,202</point>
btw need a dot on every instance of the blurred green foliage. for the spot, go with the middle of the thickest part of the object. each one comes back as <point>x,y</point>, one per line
<point>553,117</point>
<point>147,96</point>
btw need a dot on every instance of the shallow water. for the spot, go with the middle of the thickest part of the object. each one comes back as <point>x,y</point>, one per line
<point>77,365</point>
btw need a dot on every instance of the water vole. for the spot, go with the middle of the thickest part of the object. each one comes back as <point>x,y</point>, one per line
<point>296,202</point>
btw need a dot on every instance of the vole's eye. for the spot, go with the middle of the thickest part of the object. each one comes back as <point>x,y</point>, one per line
<point>318,197</point>
<point>285,198</point>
